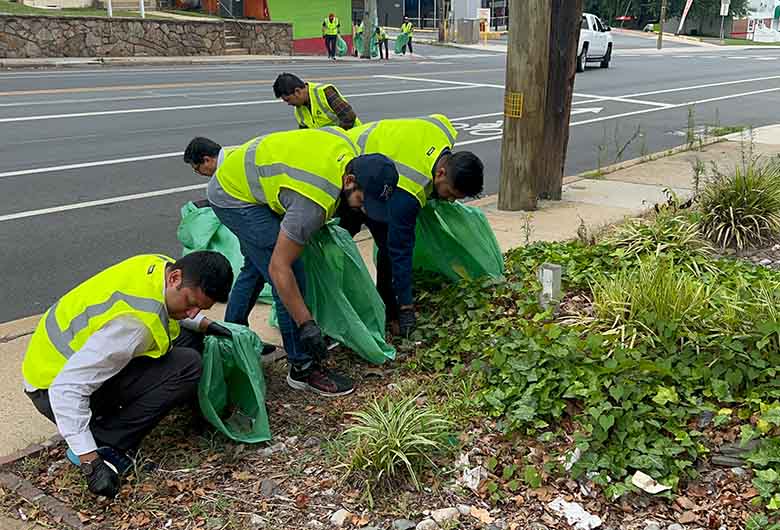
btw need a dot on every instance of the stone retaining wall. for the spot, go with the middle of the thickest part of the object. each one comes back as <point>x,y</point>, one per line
<point>23,36</point>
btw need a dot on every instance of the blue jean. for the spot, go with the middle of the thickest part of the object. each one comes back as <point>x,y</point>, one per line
<point>257,228</point>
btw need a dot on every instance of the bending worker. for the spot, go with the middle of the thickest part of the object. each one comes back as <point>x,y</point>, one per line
<point>407,28</point>
<point>421,149</point>
<point>109,360</point>
<point>381,40</point>
<point>274,192</point>
<point>316,105</point>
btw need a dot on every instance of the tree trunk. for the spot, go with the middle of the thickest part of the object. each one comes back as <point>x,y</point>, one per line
<point>564,38</point>
<point>523,151</point>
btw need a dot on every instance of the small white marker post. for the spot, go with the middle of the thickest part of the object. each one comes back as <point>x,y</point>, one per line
<point>549,275</point>
<point>141,5</point>
<point>110,11</point>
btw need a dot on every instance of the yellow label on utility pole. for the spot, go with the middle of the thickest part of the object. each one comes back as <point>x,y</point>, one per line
<point>513,104</point>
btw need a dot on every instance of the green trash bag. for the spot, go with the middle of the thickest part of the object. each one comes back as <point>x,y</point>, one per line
<point>456,240</point>
<point>358,44</point>
<point>232,388</point>
<point>400,41</point>
<point>341,294</point>
<point>341,46</point>
<point>200,229</point>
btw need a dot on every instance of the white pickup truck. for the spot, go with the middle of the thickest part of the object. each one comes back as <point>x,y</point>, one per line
<point>595,42</point>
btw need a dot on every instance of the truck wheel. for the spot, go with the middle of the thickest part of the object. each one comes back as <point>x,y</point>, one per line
<point>582,58</point>
<point>607,58</point>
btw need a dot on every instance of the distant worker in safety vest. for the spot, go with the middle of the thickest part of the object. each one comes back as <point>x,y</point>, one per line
<point>116,353</point>
<point>274,192</point>
<point>407,29</point>
<point>422,151</point>
<point>331,27</point>
<point>381,40</point>
<point>316,105</point>
<point>359,33</point>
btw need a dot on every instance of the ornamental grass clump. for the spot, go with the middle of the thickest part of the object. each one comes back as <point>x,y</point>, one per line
<point>393,441</point>
<point>742,209</point>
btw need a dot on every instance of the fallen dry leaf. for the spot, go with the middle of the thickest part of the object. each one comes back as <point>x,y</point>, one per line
<point>242,475</point>
<point>750,493</point>
<point>685,503</point>
<point>360,521</point>
<point>301,500</point>
<point>687,517</point>
<point>481,515</point>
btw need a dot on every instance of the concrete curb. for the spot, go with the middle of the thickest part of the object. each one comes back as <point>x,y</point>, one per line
<point>65,62</point>
<point>64,516</point>
<point>30,450</point>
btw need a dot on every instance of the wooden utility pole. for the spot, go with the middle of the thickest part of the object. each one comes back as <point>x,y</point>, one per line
<point>564,38</point>
<point>369,27</point>
<point>661,20</point>
<point>527,65</point>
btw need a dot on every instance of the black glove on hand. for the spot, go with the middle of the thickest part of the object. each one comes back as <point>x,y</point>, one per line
<point>313,341</point>
<point>218,330</point>
<point>407,321</point>
<point>101,479</point>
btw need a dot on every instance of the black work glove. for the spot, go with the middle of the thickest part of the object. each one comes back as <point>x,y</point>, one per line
<point>218,330</point>
<point>313,341</point>
<point>407,321</point>
<point>101,479</point>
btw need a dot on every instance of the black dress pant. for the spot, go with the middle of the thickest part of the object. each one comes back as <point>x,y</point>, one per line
<point>352,221</point>
<point>330,45</point>
<point>130,404</point>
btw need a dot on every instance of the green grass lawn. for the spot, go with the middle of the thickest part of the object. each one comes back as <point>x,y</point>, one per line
<point>745,42</point>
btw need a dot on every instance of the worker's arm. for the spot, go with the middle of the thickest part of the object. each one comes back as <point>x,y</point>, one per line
<point>403,209</point>
<point>103,356</point>
<point>341,107</point>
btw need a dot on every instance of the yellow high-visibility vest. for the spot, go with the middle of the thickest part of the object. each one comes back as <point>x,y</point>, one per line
<point>332,28</point>
<point>321,114</point>
<point>407,28</point>
<point>308,161</point>
<point>134,287</point>
<point>413,144</point>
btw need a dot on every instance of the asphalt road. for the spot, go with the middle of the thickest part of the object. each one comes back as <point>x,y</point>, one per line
<point>90,165</point>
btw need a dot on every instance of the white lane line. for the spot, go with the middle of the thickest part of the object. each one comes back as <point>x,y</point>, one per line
<point>621,100</point>
<point>766,58</point>
<point>215,105</point>
<point>738,57</point>
<point>708,85</point>
<point>100,202</point>
<point>441,81</point>
<point>88,164</point>
<point>475,116</point>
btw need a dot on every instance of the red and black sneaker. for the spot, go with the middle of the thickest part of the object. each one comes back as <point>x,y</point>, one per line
<point>320,380</point>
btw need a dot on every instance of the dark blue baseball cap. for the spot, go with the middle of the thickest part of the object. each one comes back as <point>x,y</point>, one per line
<point>377,176</point>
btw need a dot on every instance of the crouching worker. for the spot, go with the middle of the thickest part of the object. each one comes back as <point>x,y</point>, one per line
<point>110,359</point>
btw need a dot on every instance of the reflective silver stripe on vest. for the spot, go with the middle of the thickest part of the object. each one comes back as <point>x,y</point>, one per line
<point>413,175</point>
<point>272,170</point>
<point>341,134</point>
<point>441,126</point>
<point>252,172</point>
<point>363,138</point>
<point>329,113</point>
<point>61,339</point>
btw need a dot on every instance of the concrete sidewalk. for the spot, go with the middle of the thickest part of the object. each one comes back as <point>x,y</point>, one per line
<point>625,190</point>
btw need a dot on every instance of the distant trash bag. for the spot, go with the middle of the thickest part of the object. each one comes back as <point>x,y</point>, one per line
<point>400,42</point>
<point>232,388</point>
<point>358,44</point>
<point>200,229</point>
<point>341,46</point>
<point>341,294</point>
<point>456,240</point>
<point>373,47</point>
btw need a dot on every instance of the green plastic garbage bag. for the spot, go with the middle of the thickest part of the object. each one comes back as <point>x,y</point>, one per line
<point>456,240</point>
<point>200,229</point>
<point>373,47</point>
<point>232,388</point>
<point>358,44</point>
<point>400,41</point>
<point>341,46</point>
<point>341,294</point>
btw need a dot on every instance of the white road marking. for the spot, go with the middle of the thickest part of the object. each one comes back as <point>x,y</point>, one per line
<point>440,81</point>
<point>621,100</point>
<point>88,164</point>
<point>738,57</point>
<point>100,202</point>
<point>215,105</point>
<point>766,58</point>
<point>708,85</point>
<point>475,116</point>
<point>594,110</point>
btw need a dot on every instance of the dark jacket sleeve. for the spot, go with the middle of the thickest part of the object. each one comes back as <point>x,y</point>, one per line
<point>403,208</point>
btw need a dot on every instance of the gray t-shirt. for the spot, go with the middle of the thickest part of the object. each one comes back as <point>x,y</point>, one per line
<point>303,216</point>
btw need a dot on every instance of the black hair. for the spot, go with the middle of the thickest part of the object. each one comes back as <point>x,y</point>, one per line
<point>199,148</point>
<point>208,270</point>
<point>466,173</point>
<point>286,84</point>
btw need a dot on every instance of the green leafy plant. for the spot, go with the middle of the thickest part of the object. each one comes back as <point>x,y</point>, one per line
<point>742,209</point>
<point>392,441</point>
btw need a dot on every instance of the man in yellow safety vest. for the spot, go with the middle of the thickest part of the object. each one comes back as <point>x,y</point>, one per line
<point>316,105</point>
<point>427,166</point>
<point>407,29</point>
<point>110,358</point>
<point>274,192</point>
<point>331,28</point>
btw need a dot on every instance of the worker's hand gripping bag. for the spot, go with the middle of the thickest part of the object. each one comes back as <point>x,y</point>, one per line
<point>456,240</point>
<point>400,41</point>
<point>341,46</point>
<point>232,388</point>
<point>341,294</point>
<point>200,229</point>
